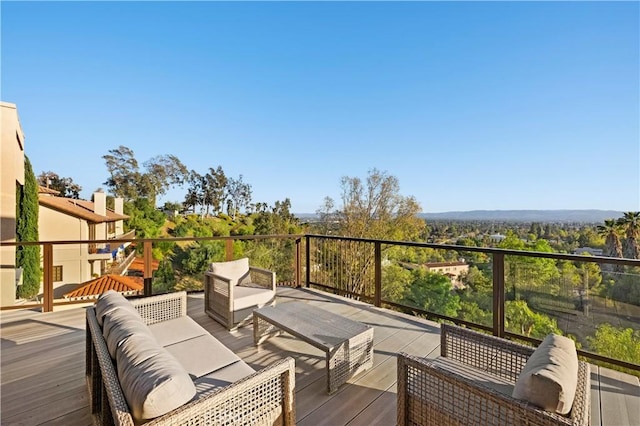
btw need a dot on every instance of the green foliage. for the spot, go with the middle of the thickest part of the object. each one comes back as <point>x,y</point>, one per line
<point>472,312</point>
<point>521,319</point>
<point>164,279</point>
<point>433,293</point>
<point>65,186</point>
<point>202,253</point>
<point>618,343</point>
<point>144,218</point>
<point>28,257</point>
<point>395,282</point>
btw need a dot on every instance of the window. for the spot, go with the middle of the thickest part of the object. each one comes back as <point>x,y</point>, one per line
<point>57,273</point>
<point>111,227</point>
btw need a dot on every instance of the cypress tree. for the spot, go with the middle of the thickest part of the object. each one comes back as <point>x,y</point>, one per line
<point>28,257</point>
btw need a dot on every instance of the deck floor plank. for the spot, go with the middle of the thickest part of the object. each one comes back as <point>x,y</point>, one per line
<point>42,366</point>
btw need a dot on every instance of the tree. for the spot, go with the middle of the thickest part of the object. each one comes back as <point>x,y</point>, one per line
<point>433,293</point>
<point>374,209</point>
<point>65,186</point>
<point>521,319</point>
<point>28,257</point>
<point>217,185</point>
<point>618,343</point>
<point>164,278</point>
<point>127,181</point>
<point>377,210</point>
<point>630,223</point>
<point>613,246</point>
<point>239,194</point>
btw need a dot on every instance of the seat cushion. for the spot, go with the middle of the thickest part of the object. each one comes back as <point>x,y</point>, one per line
<point>491,381</point>
<point>246,297</point>
<point>176,330</point>
<point>550,376</point>
<point>234,270</point>
<point>223,377</point>
<point>110,301</point>
<point>152,381</point>
<point>202,355</point>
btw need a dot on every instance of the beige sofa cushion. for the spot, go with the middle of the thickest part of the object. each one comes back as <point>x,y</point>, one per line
<point>176,330</point>
<point>120,324</point>
<point>202,355</point>
<point>215,380</point>
<point>108,302</point>
<point>550,376</point>
<point>246,297</point>
<point>234,270</point>
<point>152,381</point>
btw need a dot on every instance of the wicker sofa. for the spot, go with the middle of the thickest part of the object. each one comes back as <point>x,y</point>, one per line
<point>471,383</point>
<point>226,390</point>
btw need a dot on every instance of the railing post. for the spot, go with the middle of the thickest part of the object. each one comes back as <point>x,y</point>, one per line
<point>308,260</point>
<point>228,250</point>
<point>377,297</point>
<point>47,279</point>
<point>148,271</point>
<point>298,262</point>
<point>498,294</point>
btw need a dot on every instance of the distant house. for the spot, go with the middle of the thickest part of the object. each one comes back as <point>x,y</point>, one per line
<point>497,238</point>
<point>453,270</point>
<point>590,250</point>
<point>64,219</point>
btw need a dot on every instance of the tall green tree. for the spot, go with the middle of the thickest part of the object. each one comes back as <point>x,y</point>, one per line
<point>373,208</point>
<point>433,293</point>
<point>28,257</point>
<point>613,246</point>
<point>630,222</point>
<point>239,195</point>
<point>64,185</point>
<point>126,180</point>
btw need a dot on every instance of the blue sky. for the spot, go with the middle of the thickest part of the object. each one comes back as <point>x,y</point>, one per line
<point>481,105</point>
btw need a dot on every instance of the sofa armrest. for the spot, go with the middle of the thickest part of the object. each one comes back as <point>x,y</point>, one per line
<point>501,357</point>
<point>263,277</point>
<point>431,395</point>
<point>263,398</point>
<point>163,307</point>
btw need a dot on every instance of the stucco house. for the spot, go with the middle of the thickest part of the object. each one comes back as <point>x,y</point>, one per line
<point>11,176</point>
<point>65,219</point>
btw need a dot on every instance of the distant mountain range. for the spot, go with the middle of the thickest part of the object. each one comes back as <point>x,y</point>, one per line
<point>556,216</point>
<point>584,216</point>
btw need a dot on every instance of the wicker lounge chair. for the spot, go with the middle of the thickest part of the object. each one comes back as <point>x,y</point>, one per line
<point>233,289</point>
<point>471,383</point>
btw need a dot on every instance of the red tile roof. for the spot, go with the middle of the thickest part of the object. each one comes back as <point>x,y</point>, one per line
<point>119,283</point>
<point>138,264</point>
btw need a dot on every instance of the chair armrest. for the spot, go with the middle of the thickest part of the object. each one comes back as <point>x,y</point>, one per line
<point>501,357</point>
<point>263,277</point>
<point>263,398</point>
<point>431,395</point>
<point>163,307</point>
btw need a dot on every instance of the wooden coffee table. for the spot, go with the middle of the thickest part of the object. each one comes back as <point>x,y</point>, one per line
<point>348,344</point>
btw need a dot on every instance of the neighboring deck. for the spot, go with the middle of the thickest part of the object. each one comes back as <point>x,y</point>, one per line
<point>42,367</point>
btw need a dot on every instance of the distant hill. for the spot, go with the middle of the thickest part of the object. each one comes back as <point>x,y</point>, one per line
<point>583,216</point>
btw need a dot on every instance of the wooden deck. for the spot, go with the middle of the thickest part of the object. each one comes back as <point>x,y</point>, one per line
<point>42,367</point>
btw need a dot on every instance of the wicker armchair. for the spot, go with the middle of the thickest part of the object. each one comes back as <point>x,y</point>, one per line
<point>233,290</point>
<point>432,393</point>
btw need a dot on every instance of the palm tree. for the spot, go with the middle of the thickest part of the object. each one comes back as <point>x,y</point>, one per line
<point>613,246</point>
<point>630,223</point>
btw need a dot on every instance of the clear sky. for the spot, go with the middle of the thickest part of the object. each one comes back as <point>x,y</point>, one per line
<point>481,105</point>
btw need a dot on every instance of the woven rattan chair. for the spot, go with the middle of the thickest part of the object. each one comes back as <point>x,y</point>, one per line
<point>233,289</point>
<point>453,389</point>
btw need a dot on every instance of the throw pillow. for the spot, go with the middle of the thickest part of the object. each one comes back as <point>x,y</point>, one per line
<point>550,376</point>
<point>234,270</point>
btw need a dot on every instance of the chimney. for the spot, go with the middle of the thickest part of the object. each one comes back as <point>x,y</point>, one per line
<point>118,205</point>
<point>100,203</point>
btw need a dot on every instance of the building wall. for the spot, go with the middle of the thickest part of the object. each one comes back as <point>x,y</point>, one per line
<point>11,175</point>
<point>57,226</point>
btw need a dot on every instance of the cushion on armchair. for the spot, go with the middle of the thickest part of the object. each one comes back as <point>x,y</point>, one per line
<point>111,301</point>
<point>550,376</point>
<point>234,270</point>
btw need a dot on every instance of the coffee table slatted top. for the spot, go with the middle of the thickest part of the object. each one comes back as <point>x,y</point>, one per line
<point>317,326</point>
